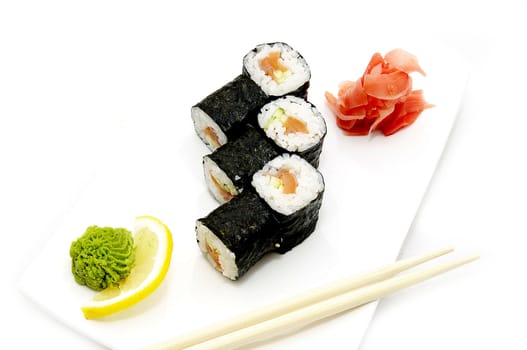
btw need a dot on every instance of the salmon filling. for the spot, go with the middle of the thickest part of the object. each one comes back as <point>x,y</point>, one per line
<point>210,134</point>
<point>225,194</point>
<point>215,256</point>
<point>293,125</point>
<point>285,181</point>
<point>273,68</point>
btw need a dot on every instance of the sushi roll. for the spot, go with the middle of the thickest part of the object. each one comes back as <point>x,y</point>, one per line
<point>229,169</point>
<point>278,70</point>
<point>295,126</point>
<point>278,212</point>
<point>218,117</point>
<point>237,234</point>
<point>293,189</point>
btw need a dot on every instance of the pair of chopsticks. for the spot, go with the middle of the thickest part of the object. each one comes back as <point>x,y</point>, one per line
<point>312,306</point>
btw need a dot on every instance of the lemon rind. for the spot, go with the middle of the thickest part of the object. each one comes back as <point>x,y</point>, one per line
<point>99,309</point>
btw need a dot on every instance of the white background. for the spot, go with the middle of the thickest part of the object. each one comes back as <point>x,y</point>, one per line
<point>476,200</point>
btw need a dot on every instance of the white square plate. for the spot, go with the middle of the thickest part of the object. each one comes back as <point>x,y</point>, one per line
<point>374,186</point>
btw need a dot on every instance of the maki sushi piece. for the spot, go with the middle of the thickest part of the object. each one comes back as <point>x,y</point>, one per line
<point>278,70</point>
<point>278,212</point>
<point>295,126</point>
<point>218,117</point>
<point>229,169</point>
<point>269,71</point>
<point>237,234</point>
<point>293,189</point>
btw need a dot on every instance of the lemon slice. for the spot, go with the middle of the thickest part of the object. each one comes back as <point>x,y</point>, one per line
<point>153,244</point>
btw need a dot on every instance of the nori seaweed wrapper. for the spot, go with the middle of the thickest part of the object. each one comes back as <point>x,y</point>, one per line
<point>250,228</point>
<point>296,227</point>
<point>299,92</point>
<point>241,157</point>
<point>246,226</point>
<point>233,104</point>
<point>312,154</point>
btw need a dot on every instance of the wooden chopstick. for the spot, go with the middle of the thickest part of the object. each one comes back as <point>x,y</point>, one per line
<point>326,308</point>
<point>276,310</point>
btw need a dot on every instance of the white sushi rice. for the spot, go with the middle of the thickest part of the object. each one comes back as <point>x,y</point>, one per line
<point>309,184</point>
<point>208,242</point>
<point>300,109</point>
<point>201,122</point>
<point>211,169</point>
<point>296,64</point>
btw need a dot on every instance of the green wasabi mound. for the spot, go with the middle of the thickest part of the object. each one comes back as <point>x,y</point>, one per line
<point>102,256</point>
